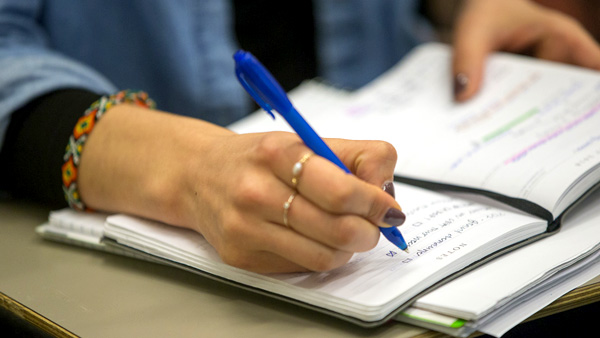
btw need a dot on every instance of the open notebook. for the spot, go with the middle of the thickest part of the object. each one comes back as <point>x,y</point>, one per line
<point>528,140</point>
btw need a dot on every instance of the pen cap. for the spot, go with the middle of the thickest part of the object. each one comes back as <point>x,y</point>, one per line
<point>260,84</point>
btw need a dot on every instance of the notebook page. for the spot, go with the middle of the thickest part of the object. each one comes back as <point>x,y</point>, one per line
<point>529,133</point>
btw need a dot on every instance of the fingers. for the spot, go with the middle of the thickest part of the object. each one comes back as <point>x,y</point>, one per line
<point>331,216</point>
<point>251,241</point>
<point>301,250</point>
<point>371,161</point>
<point>349,233</point>
<point>271,248</point>
<point>329,188</point>
<point>567,41</point>
<point>325,185</point>
<point>267,197</point>
<point>515,26</point>
<point>471,47</point>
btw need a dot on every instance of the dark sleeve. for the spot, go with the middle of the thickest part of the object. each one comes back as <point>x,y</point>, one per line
<point>32,153</point>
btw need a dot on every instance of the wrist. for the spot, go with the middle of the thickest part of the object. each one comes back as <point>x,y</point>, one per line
<point>81,132</point>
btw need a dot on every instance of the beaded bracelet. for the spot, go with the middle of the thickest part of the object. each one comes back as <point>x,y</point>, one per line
<point>82,129</point>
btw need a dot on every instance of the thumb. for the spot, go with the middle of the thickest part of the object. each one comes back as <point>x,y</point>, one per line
<point>371,161</point>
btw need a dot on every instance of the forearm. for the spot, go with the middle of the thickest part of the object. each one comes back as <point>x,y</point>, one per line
<point>140,161</point>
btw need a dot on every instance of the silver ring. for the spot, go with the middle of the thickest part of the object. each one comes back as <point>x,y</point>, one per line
<point>297,169</point>
<point>286,208</point>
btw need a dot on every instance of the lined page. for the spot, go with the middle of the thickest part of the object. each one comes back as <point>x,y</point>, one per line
<point>531,132</point>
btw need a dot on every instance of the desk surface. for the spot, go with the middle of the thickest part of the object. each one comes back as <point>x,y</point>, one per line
<point>95,294</point>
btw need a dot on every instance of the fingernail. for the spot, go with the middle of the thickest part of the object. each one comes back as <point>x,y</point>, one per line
<point>461,80</point>
<point>388,187</point>
<point>394,217</point>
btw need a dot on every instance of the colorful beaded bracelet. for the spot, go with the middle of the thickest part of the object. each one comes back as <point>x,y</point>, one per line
<point>82,129</point>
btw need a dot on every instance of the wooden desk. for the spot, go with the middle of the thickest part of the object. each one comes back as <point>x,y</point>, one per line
<point>71,291</point>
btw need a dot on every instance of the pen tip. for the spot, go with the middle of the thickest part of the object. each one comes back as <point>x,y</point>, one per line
<point>406,250</point>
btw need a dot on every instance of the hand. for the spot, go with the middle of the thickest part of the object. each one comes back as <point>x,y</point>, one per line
<point>515,26</point>
<point>246,179</point>
<point>231,188</point>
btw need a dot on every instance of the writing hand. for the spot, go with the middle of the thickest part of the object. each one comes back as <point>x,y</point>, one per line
<point>231,188</point>
<point>333,214</point>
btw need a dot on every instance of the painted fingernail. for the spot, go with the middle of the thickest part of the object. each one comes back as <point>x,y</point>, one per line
<point>388,187</point>
<point>461,80</point>
<point>394,217</point>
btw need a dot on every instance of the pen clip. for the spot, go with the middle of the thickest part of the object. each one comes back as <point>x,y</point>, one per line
<point>261,84</point>
<point>241,77</point>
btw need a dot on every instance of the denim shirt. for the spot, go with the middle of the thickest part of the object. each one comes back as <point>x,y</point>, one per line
<point>179,51</point>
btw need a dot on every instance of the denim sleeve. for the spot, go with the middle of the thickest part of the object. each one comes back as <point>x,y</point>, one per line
<point>29,67</point>
<point>358,40</point>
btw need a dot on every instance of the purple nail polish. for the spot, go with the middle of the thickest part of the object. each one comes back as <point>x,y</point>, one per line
<point>388,187</point>
<point>394,217</point>
<point>461,80</point>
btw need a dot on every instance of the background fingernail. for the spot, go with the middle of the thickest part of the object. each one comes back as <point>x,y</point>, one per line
<point>461,80</point>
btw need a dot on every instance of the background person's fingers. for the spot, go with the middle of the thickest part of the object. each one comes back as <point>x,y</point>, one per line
<point>471,48</point>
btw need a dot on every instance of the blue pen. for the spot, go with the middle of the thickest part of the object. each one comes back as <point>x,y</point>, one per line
<point>267,92</point>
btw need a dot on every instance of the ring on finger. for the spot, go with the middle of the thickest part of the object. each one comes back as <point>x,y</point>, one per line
<point>297,169</point>
<point>286,207</point>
